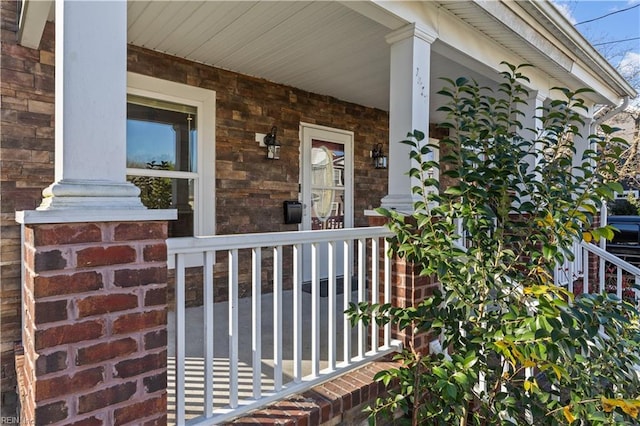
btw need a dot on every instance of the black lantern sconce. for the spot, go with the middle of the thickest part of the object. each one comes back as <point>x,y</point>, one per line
<point>273,146</point>
<point>378,157</point>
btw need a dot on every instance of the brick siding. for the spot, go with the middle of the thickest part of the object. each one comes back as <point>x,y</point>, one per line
<point>250,189</point>
<point>92,340</point>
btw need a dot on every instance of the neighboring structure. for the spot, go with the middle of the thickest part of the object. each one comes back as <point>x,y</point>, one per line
<point>335,79</point>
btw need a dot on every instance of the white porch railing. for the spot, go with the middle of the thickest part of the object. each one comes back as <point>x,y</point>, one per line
<point>571,270</point>
<point>255,374</point>
<point>614,274</point>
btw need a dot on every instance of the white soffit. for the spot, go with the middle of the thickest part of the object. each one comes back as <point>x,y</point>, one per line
<point>329,47</point>
<point>529,36</point>
<point>322,47</point>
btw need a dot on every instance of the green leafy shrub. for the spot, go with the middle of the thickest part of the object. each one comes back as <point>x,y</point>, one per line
<point>542,355</point>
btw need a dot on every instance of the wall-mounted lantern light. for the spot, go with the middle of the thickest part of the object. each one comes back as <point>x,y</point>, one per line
<point>273,146</point>
<point>379,159</point>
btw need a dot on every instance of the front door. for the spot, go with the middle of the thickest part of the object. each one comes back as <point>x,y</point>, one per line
<point>327,183</point>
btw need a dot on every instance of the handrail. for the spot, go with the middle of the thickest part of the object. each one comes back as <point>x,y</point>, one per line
<point>270,239</point>
<point>611,258</point>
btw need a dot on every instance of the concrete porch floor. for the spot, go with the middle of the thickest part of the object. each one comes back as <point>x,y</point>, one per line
<point>194,380</point>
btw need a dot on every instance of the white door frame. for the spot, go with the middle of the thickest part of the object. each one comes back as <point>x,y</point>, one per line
<point>308,132</point>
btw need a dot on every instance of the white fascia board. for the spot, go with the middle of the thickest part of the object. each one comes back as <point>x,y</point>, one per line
<point>482,48</point>
<point>528,29</point>
<point>586,75</point>
<point>584,52</point>
<point>33,18</point>
<point>471,45</point>
<point>543,40</point>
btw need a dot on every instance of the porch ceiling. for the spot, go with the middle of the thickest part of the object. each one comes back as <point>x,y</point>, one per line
<point>332,47</point>
<point>321,46</point>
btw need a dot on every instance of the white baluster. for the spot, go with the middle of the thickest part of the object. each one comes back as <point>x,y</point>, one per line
<point>233,328</point>
<point>346,324</point>
<point>256,316</point>
<point>331,305</point>
<point>297,313</point>
<point>277,318</point>
<point>362,264</point>
<point>315,309</point>
<point>208,265</point>
<point>375,278</point>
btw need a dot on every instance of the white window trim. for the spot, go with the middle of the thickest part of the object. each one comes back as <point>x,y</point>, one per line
<point>205,102</point>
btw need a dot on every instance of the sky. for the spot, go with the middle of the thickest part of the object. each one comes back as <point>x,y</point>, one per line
<point>617,26</point>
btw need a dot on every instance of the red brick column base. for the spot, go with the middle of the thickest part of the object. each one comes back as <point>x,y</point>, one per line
<point>408,289</point>
<point>95,324</point>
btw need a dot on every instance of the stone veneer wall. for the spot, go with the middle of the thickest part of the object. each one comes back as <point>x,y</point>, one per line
<point>250,189</point>
<point>26,167</point>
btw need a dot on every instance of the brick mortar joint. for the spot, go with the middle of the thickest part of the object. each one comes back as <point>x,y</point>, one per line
<point>74,269</point>
<point>75,247</point>
<point>108,382</point>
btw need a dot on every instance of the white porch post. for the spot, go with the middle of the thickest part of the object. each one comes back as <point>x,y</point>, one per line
<point>90,97</point>
<point>582,142</point>
<point>92,234</point>
<point>408,108</point>
<point>531,121</point>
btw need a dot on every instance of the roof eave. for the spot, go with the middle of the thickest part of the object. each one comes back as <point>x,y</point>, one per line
<point>577,43</point>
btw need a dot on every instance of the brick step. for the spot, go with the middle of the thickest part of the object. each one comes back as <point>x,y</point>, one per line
<point>340,401</point>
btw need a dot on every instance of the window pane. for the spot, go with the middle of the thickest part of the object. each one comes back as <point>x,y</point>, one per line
<point>168,193</point>
<point>161,134</point>
<point>327,185</point>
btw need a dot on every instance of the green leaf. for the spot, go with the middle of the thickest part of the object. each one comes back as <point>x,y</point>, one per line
<point>451,391</point>
<point>461,378</point>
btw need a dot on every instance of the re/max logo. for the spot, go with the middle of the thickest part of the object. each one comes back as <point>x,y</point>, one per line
<point>10,420</point>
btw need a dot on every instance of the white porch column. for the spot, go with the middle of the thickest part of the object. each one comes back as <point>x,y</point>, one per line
<point>90,132</point>
<point>531,124</point>
<point>582,142</point>
<point>408,107</point>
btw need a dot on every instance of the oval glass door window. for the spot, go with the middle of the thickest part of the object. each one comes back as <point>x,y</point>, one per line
<point>327,185</point>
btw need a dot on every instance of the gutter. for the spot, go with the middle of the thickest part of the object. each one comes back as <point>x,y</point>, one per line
<point>612,113</point>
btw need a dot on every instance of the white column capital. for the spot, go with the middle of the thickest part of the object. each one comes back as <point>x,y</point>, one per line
<point>409,99</point>
<point>538,97</point>
<point>411,31</point>
<point>541,97</point>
